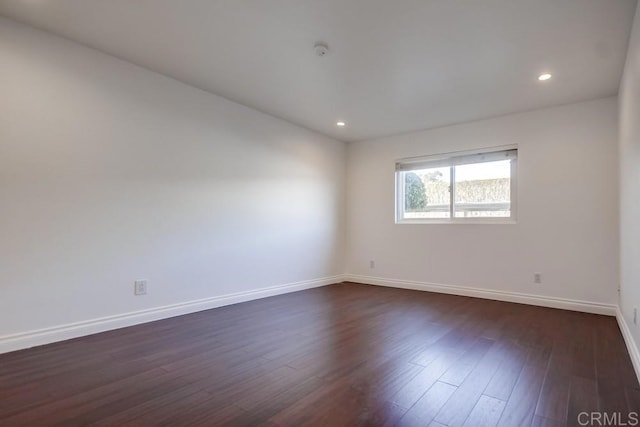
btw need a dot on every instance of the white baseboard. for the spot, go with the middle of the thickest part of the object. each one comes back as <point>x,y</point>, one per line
<point>553,302</point>
<point>74,330</point>
<point>629,341</point>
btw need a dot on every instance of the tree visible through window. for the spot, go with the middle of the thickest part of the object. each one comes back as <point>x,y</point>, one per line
<point>415,193</point>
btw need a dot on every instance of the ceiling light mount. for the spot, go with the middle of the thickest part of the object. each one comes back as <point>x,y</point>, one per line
<point>341,124</point>
<point>544,77</point>
<point>321,48</point>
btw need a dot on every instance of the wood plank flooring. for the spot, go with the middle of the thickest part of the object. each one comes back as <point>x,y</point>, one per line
<point>342,355</point>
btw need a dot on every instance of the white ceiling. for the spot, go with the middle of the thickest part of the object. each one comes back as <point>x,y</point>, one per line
<point>394,65</point>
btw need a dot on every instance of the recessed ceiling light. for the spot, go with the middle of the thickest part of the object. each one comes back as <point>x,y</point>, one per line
<point>340,124</point>
<point>543,77</point>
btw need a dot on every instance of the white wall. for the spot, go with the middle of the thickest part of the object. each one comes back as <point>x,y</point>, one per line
<point>110,173</point>
<point>629,96</point>
<point>567,208</point>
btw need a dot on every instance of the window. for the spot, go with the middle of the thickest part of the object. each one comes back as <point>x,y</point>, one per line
<point>457,187</point>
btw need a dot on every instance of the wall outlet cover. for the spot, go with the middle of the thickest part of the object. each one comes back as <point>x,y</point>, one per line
<point>140,287</point>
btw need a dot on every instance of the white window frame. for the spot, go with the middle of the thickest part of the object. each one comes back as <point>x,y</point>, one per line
<point>450,160</point>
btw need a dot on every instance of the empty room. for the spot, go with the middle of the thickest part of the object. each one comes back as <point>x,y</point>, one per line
<point>319,213</point>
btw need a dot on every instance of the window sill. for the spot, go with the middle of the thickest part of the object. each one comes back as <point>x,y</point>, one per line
<point>480,221</point>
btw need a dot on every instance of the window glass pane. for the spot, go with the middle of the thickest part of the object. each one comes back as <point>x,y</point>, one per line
<point>426,193</point>
<point>483,190</point>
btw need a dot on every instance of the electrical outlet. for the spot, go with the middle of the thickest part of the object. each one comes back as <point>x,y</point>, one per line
<point>372,264</point>
<point>140,287</point>
<point>537,277</point>
<point>635,316</point>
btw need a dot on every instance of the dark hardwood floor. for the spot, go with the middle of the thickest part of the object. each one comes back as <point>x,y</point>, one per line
<point>341,355</point>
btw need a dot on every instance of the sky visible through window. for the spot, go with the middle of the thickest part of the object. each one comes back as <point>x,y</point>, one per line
<point>489,170</point>
<point>473,171</point>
